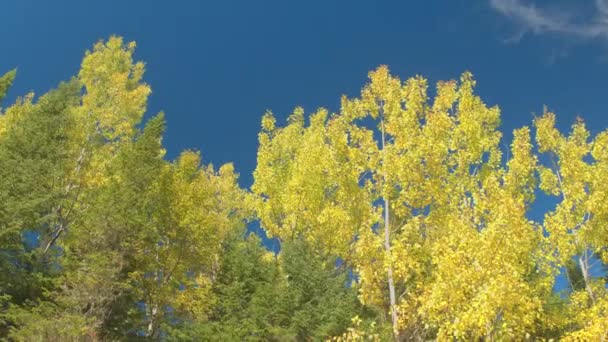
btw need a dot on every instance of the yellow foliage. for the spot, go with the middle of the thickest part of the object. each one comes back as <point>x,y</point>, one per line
<point>462,251</point>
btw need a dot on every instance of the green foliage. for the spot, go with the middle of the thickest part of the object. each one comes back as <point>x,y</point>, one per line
<point>34,164</point>
<point>322,298</point>
<point>46,322</point>
<point>295,295</point>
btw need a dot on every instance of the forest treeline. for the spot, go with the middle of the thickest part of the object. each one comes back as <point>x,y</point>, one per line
<point>400,217</point>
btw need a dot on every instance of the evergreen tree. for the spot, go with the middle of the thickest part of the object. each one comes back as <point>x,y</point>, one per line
<point>34,162</point>
<point>295,295</point>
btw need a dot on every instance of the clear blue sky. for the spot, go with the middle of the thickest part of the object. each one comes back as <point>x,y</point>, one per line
<point>216,66</point>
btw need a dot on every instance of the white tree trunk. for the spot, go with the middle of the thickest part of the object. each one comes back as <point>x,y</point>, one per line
<point>387,248</point>
<point>583,261</point>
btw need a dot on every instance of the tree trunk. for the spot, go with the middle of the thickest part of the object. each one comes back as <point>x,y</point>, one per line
<point>583,261</point>
<point>151,329</point>
<point>61,227</point>
<point>387,248</point>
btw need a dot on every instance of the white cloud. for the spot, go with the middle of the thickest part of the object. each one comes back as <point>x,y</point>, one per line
<point>530,18</point>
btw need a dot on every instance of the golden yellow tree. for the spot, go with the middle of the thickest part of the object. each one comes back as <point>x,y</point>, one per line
<point>414,197</point>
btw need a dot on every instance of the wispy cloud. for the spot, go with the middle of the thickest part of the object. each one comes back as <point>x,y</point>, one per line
<point>532,19</point>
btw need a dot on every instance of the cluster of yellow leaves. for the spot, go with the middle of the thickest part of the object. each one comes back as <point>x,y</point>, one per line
<point>115,98</point>
<point>309,184</point>
<point>197,299</point>
<point>358,332</point>
<point>591,320</point>
<point>14,112</point>
<point>113,103</point>
<point>577,174</point>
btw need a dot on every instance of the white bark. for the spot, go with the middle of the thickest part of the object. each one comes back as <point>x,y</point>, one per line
<point>387,248</point>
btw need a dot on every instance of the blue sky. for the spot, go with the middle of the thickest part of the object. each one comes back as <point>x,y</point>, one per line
<point>216,66</point>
